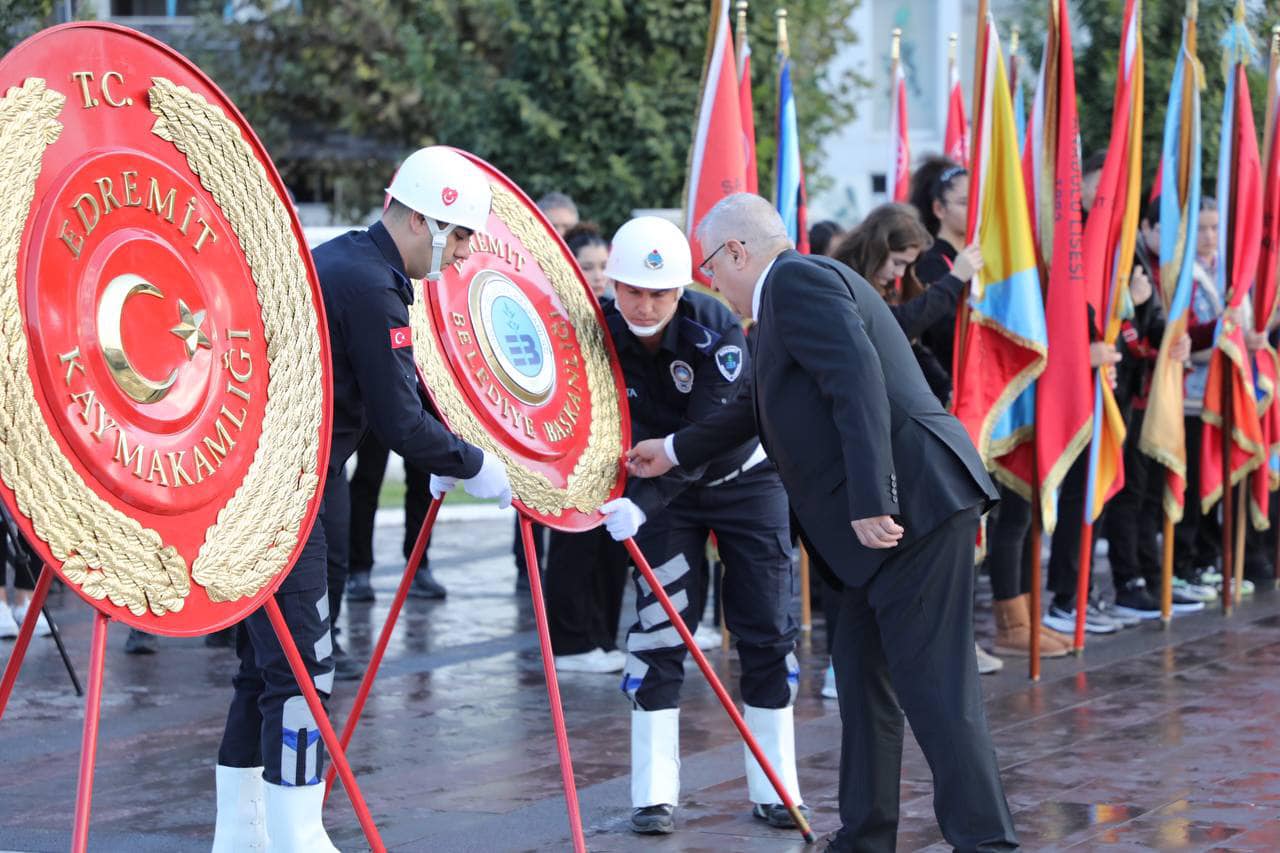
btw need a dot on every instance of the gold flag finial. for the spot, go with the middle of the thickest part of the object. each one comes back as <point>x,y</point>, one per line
<point>784,47</point>
<point>895,51</point>
<point>1013,40</point>
<point>952,41</point>
<point>1193,9</point>
<point>741,37</point>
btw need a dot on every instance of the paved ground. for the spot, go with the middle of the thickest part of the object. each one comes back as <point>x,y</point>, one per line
<point>1155,740</point>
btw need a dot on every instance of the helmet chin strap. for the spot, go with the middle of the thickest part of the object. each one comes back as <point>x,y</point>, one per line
<point>439,238</point>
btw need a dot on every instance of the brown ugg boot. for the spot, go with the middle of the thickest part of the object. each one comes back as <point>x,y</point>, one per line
<point>1013,631</point>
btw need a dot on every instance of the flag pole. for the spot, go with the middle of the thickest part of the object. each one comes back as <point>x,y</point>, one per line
<point>784,46</point>
<point>740,37</point>
<point>1033,645</point>
<point>1269,140</point>
<point>1242,514</point>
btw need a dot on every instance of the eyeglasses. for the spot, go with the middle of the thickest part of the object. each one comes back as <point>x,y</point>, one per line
<point>705,266</point>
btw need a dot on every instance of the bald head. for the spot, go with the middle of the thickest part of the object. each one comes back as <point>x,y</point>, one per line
<point>748,218</point>
<point>740,236</point>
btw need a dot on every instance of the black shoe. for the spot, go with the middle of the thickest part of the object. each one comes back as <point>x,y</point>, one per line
<point>139,643</point>
<point>427,587</point>
<point>359,588</point>
<point>776,814</point>
<point>653,820</point>
<point>1133,599</point>
<point>224,639</point>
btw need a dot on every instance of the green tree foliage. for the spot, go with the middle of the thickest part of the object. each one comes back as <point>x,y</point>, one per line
<point>1097,31</point>
<point>592,97</point>
<point>21,18</point>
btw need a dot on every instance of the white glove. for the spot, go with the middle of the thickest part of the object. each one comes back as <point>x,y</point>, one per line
<point>441,486</point>
<point>622,518</point>
<point>490,482</point>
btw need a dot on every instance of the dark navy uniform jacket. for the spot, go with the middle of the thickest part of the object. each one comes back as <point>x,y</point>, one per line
<point>375,382</point>
<point>700,366</point>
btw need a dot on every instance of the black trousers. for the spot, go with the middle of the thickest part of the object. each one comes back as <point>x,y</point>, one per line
<point>366,484</point>
<point>1008,561</point>
<point>1064,556</point>
<point>1132,520</point>
<point>269,723</point>
<point>904,643</point>
<point>586,573</point>
<point>749,517</point>
<point>1197,538</point>
<point>336,521</point>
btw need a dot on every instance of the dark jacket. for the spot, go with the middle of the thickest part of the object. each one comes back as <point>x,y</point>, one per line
<point>700,365</point>
<point>846,416</point>
<point>375,380</point>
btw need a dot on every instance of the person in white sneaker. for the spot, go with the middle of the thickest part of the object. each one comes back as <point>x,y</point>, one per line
<point>683,356</point>
<point>21,560</point>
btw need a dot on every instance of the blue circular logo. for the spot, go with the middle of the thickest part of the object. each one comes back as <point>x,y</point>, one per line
<point>517,336</point>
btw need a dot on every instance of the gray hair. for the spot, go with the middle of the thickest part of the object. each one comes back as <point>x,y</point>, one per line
<point>556,201</point>
<point>745,217</point>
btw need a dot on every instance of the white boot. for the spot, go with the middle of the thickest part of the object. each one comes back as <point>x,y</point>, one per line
<point>655,758</point>
<point>240,824</point>
<point>293,819</point>
<point>775,731</point>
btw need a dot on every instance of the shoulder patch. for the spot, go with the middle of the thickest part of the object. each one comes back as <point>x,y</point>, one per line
<point>729,361</point>
<point>699,335</point>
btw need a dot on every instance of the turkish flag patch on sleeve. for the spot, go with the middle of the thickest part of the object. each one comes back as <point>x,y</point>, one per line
<point>401,337</point>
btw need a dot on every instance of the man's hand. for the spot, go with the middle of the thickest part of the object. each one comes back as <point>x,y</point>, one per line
<point>879,532</point>
<point>490,481</point>
<point>1139,286</point>
<point>622,518</point>
<point>441,486</point>
<point>648,459</point>
<point>1103,356</point>
<point>1254,341</point>
<point>968,263</point>
<point>1180,352</point>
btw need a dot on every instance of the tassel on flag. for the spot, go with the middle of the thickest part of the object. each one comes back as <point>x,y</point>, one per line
<point>900,166</point>
<point>956,141</point>
<point>789,192</point>
<point>717,161</point>
<point>743,49</point>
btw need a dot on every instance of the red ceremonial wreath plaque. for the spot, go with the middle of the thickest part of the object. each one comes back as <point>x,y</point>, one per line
<point>515,355</point>
<point>165,360</point>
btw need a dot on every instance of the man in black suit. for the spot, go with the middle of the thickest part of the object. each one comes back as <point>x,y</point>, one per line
<point>888,490</point>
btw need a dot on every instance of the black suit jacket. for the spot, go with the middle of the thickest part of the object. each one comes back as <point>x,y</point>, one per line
<point>846,416</point>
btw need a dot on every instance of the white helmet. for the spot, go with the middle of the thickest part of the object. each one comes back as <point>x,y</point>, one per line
<point>651,253</point>
<point>446,188</point>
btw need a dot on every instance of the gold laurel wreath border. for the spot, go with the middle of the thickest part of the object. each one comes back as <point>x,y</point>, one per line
<point>107,553</point>
<point>102,550</point>
<point>593,476</point>
<point>257,529</point>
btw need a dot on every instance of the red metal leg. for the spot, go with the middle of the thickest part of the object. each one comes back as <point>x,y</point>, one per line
<point>92,713</point>
<point>336,753</point>
<point>24,637</point>
<point>674,615</point>
<point>375,661</point>
<point>553,687</point>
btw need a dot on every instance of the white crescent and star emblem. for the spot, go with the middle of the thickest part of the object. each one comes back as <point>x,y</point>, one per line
<point>110,308</point>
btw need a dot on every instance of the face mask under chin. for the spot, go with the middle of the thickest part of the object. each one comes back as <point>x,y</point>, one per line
<point>645,331</point>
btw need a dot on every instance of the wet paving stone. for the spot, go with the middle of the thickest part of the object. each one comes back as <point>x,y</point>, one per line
<point>1154,740</point>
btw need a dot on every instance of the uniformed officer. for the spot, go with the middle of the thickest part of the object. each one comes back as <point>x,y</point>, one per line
<point>683,355</point>
<point>439,199</point>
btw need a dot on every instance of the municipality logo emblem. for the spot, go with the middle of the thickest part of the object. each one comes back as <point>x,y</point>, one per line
<point>682,375</point>
<point>653,260</point>
<point>729,360</point>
